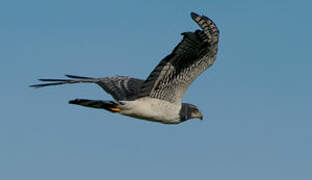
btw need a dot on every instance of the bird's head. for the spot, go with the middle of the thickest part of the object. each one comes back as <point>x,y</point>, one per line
<point>189,111</point>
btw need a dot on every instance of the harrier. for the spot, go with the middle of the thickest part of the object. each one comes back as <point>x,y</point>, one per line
<point>159,97</point>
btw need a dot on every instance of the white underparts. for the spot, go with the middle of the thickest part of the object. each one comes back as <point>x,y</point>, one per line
<point>152,109</point>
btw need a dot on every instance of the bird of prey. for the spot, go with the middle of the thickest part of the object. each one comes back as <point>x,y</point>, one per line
<point>159,97</point>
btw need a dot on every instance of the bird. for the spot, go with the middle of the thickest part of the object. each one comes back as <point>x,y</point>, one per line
<point>158,98</point>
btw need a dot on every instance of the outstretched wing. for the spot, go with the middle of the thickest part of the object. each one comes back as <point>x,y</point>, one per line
<point>120,87</point>
<point>192,56</point>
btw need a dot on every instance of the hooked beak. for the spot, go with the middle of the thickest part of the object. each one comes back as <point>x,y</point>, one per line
<point>200,117</point>
<point>196,114</point>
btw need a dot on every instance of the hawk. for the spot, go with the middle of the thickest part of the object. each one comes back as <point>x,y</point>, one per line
<point>158,98</point>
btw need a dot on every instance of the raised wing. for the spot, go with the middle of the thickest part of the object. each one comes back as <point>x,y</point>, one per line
<point>120,87</point>
<point>192,56</point>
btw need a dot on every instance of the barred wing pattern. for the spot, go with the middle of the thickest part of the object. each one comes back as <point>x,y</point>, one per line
<point>192,56</point>
<point>121,87</point>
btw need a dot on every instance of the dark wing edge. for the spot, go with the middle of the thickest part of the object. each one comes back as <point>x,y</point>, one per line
<point>192,56</point>
<point>120,87</point>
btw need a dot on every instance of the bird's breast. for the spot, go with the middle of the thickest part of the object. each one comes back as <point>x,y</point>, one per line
<point>152,109</point>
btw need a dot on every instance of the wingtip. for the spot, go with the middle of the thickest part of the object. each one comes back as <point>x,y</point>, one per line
<point>74,101</point>
<point>37,86</point>
<point>69,76</point>
<point>33,86</point>
<point>77,77</point>
<point>194,15</point>
<point>77,101</point>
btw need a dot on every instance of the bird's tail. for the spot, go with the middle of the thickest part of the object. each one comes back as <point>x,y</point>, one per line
<point>73,79</point>
<point>107,105</point>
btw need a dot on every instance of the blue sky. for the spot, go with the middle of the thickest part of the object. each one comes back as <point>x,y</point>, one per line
<point>256,99</point>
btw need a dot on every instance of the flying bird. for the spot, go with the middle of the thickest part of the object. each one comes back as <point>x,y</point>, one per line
<point>159,97</point>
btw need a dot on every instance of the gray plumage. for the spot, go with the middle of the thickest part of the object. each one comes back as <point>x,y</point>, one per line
<point>159,97</point>
<point>120,87</point>
<point>193,55</point>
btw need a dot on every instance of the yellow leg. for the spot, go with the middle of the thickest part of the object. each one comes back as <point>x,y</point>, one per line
<point>115,109</point>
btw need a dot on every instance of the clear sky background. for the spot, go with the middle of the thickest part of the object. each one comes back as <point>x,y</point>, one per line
<point>256,99</point>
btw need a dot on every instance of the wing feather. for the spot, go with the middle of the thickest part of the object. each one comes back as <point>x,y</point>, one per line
<point>192,56</point>
<point>121,87</point>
